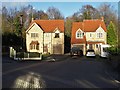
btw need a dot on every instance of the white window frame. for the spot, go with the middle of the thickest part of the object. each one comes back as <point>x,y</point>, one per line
<point>47,35</point>
<point>99,35</point>
<point>34,35</point>
<point>79,34</point>
<point>90,35</point>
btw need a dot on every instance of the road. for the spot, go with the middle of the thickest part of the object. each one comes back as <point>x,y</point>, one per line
<point>77,72</point>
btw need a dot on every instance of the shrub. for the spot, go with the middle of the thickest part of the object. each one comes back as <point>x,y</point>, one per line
<point>25,54</point>
<point>44,56</point>
<point>34,54</point>
<point>113,50</point>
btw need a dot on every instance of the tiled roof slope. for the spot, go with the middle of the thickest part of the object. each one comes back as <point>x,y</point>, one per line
<point>50,25</point>
<point>75,27</point>
<point>93,25</point>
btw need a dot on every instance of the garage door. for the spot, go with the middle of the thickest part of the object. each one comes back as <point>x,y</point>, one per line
<point>80,46</point>
<point>57,49</point>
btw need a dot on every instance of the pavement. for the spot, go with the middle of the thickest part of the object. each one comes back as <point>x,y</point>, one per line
<point>77,72</point>
<point>113,68</point>
<point>113,74</point>
<point>54,58</point>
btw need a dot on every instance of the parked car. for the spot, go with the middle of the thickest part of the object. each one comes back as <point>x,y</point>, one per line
<point>76,51</point>
<point>90,53</point>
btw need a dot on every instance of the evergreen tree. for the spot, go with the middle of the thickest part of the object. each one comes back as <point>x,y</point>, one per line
<point>111,34</point>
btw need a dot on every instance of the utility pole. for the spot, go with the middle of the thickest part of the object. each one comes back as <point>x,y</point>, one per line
<point>21,26</point>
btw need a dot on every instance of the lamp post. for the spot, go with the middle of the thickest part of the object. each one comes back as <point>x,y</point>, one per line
<point>21,26</point>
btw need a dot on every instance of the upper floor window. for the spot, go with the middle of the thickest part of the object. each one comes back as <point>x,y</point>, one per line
<point>47,35</point>
<point>33,35</point>
<point>57,35</point>
<point>90,35</point>
<point>79,34</point>
<point>99,35</point>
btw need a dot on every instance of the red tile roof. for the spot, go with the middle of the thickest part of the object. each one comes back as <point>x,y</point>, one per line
<point>50,25</point>
<point>93,25</point>
<point>86,26</point>
<point>75,27</point>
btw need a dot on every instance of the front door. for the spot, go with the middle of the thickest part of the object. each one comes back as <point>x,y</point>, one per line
<point>90,46</point>
<point>46,48</point>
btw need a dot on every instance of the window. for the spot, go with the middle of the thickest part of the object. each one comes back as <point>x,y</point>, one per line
<point>90,35</point>
<point>99,35</point>
<point>34,45</point>
<point>47,34</point>
<point>90,46</point>
<point>56,35</point>
<point>33,35</point>
<point>96,45</point>
<point>79,34</point>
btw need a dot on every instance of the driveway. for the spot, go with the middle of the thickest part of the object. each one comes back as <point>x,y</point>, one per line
<point>77,72</point>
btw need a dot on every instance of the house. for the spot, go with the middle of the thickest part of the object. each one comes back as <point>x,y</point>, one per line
<point>45,36</point>
<point>89,34</point>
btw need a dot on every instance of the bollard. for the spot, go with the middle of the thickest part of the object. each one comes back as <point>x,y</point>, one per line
<point>14,53</point>
<point>10,52</point>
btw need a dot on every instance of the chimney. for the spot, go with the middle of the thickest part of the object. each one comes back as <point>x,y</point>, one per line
<point>102,18</point>
<point>32,19</point>
<point>21,19</point>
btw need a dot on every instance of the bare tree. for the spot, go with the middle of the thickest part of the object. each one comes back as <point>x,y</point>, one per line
<point>89,12</point>
<point>54,13</point>
<point>42,15</point>
<point>108,12</point>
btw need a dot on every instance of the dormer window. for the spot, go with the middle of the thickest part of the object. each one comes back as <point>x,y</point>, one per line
<point>79,34</point>
<point>57,35</point>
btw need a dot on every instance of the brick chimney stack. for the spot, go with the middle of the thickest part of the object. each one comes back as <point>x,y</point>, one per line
<point>102,18</point>
<point>21,19</point>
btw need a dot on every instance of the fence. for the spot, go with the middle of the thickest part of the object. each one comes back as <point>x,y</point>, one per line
<point>23,55</point>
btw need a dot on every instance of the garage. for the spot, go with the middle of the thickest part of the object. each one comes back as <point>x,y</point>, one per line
<point>57,49</point>
<point>81,47</point>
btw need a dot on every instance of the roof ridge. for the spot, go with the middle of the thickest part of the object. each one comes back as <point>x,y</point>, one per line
<point>49,20</point>
<point>92,20</point>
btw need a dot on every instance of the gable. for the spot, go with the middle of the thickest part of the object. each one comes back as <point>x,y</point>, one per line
<point>34,28</point>
<point>100,29</point>
<point>79,30</point>
<point>50,25</point>
<point>56,30</point>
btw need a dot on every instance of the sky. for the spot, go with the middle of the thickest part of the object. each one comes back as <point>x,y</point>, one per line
<point>66,8</point>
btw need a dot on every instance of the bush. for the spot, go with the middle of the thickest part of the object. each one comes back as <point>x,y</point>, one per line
<point>34,54</point>
<point>20,55</point>
<point>113,50</point>
<point>44,56</point>
<point>25,54</point>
